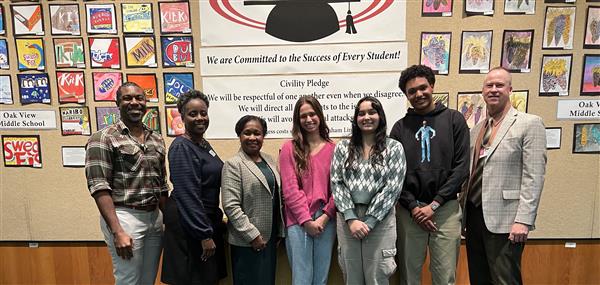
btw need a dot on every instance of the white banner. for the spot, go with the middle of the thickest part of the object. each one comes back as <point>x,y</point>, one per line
<point>273,98</point>
<point>578,109</point>
<point>272,22</point>
<point>27,120</point>
<point>365,57</point>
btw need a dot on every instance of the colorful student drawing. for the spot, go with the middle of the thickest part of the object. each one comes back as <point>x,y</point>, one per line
<point>555,75</point>
<point>475,50</point>
<point>176,84</point>
<point>34,88</point>
<point>106,116</point>
<point>27,20</point>
<point>586,138</point>
<point>5,90</point>
<point>106,85</point>
<point>151,119</point>
<point>437,7</point>
<point>71,86</point>
<point>516,50</point>
<point>22,151</point>
<point>590,83</point>
<point>592,28</point>
<point>175,17</point>
<point>4,62</point>
<point>435,51</point>
<point>2,21</point>
<point>75,121</point>
<point>148,84</point>
<point>64,19</point>
<point>472,107</point>
<point>442,98</point>
<point>69,52</point>
<point>137,17</point>
<point>101,19</point>
<point>104,52</point>
<point>175,125</point>
<point>141,51</point>
<point>519,99</point>
<point>30,54</point>
<point>519,6</point>
<point>479,6</point>
<point>177,51</point>
<point>559,27</point>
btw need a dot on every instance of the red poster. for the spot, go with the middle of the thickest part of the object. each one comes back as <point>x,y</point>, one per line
<point>71,87</point>
<point>148,84</point>
<point>22,151</point>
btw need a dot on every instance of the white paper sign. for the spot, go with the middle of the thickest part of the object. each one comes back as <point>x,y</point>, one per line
<point>553,138</point>
<point>578,109</point>
<point>73,156</point>
<point>27,120</point>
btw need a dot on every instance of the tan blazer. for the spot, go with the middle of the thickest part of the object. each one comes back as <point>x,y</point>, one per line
<point>513,175</point>
<point>247,199</point>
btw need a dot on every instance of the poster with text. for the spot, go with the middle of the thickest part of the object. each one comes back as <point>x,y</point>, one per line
<point>27,20</point>
<point>106,116</point>
<point>34,88</point>
<point>106,85</point>
<point>4,58</point>
<point>176,84</point>
<point>101,18</point>
<point>6,90</point>
<point>30,54</point>
<point>64,19</point>
<point>22,151</point>
<point>177,51</point>
<point>71,86</point>
<point>151,119</point>
<point>104,52</point>
<point>175,17</point>
<point>68,53</point>
<point>75,121</point>
<point>140,51</point>
<point>148,84</point>
<point>137,17</point>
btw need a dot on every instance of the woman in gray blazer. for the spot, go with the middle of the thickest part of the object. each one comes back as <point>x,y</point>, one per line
<point>250,186</point>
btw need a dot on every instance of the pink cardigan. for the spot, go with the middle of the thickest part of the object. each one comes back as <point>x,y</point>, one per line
<point>302,202</point>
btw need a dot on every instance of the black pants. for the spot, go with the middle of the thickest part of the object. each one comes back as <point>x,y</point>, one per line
<point>251,267</point>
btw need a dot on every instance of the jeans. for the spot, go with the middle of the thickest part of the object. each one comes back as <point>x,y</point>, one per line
<point>310,257</point>
<point>145,228</point>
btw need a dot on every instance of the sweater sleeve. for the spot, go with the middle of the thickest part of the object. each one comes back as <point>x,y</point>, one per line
<point>339,189</point>
<point>188,186</point>
<point>294,197</point>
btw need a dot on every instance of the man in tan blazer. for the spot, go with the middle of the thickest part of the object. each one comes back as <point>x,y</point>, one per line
<point>501,198</point>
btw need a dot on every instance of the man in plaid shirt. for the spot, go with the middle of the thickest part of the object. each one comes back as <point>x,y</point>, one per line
<point>126,175</point>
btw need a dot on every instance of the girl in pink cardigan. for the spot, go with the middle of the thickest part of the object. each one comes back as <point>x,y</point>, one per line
<point>309,209</point>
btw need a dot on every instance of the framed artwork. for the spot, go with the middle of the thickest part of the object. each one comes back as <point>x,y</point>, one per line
<point>435,51</point>
<point>177,51</point>
<point>6,90</point>
<point>555,75</point>
<point>27,20</point>
<point>2,20</point>
<point>553,137</point>
<point>148,84</point>
<point>475,51</point>
<point>140,51</point>
<point>68,53</point>
<point>479,7</point>
<point>64,19</point>
<point>70,86</point>
<point>151,119</point>
<point>472,106</point>
<point>137,17</point>
<point>175,17</point>
<point>75,121</point>
<point>442,98</point>
<point>516,50</point>
<point>175,125</point>
<point>4,58</point>
<point>106,116</point>
<point>590,80</point>
<point>176,84</point>
<point>586,138</point>
<point>592,28</point>
<point>559,26</point>
<point>106,85</point>
<point>519,6</point>
<point>101,18</point>
<point>104,53</point>
<point>34,88</point>
<point>22,151</point>
<point>519,100</point>
<point>436,8</point>
<point>30,54</point>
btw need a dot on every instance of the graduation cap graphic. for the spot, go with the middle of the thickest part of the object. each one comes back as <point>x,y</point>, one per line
<point>304,20</point>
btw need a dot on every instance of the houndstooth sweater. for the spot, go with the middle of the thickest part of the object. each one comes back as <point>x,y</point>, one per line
<point>378,187</point>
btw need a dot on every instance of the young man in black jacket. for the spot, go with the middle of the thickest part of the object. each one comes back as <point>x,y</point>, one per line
<point>436,142</point>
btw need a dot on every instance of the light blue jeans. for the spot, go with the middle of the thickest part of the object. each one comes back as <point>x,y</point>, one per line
<point>310,257</point>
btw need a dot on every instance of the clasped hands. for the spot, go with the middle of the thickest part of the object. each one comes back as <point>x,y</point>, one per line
<point>316,227</point>
<point>423,216</point>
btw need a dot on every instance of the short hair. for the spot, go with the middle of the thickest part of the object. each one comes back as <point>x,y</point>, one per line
<point>125,85</point>
<point>414,72</point>
<point>189,96</point>
<point>241,123</point>
<point>507,72</point>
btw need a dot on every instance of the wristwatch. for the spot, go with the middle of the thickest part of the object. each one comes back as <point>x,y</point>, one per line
<point>434,206</point>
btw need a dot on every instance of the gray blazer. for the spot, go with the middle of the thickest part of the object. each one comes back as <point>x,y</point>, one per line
<point>513,175</point>
<point>247,199</point>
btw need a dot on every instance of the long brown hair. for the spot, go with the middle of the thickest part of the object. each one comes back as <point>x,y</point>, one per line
<point>301,147</point>
<point>356,141</point>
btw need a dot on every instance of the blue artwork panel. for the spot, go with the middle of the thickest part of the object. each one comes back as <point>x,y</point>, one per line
<point>177,84</point>
<point>34,88</point>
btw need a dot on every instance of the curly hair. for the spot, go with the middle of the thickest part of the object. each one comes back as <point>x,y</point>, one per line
<point>414,72</point>
<point>187,97</point>
<point>356,140</point>
<point>301,147</point>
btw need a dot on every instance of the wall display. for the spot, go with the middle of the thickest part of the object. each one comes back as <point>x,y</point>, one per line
<point>516,50</point>
<point>30,54</point>
<point>177,51</point>
<point>5,90</point>
<point>75,121</point>
<point>175,125</point>
<point>69,53</point>
<point>137,17</point>
<point>175,17</point>
<point>479,7</point>
<point>176,84</point>
<point>576,109</point>
<point>27,19</point>
<point>592,28</point>
<point>472,106</point>
<point>2,21</point>
<point>4,57</point>
<point>553,137</point>
<point>70,86</point>
<point>73,156</point>
<point>435,51</point>
<point>22,151</point>
<point>442,98</point>
<point>106,116</point>
<point>436,8</point>
<point>475,51</point>
<point>559,28</point>
<point>519,6</point>
<point>586,138</point>
<point>148,84</point>
<point>140,51</point>
<point>104,53</point>
<point>64,19</point>
<point>590,80</point>
<point>34,88</point>
<point>101,18</point>
<point>519,100</point>
<point>151,119</point>
<point>106,85</point>
<point>555,75</point>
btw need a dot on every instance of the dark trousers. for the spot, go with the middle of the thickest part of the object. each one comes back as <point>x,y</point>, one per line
<point>251,267</point>
<point>492,258</point>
